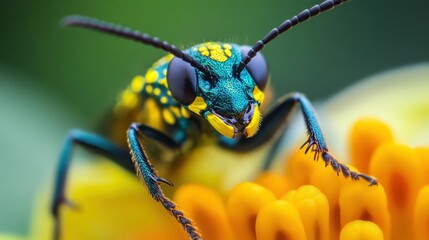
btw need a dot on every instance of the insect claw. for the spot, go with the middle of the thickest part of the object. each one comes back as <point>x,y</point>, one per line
<point>306,142</point>
<point>372,181</point>
<point>163,180</point>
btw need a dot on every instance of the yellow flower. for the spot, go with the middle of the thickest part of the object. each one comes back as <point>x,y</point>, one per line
<point>300,199</point>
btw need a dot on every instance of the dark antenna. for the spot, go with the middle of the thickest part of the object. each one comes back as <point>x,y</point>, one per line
<point>128,33</point>
<point>286,25</point>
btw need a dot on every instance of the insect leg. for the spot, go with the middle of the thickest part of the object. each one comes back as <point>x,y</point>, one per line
<point>92,142</point>
<point>275,120</point>
<point>147,173</point>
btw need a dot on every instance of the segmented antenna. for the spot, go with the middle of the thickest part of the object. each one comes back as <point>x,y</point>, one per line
<point>128,33</point>
<point>286,25</point>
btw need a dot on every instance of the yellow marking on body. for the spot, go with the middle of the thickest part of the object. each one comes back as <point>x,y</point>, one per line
<point>176,111</point>
<point>151,114</point>
<point>149,89</point>
<point>204,51</point>
<point>129,99</point>
<point>164,100</point>
<point>214,46</point>
<point>163,60</point>
<point>198,105</point>
<point>218,55</point>
<point>184,112</point>
<point>258,95</point>
<point>216,51</point>
<point>168,116</point>
<point>137,83</point>
<point>156,91</point>
<point>151,76</point>
<point>117,109</point>
<point>220,126</point>
<point>163,82</point>
<point>164,72</point>
<point>253,126</point>
<point>228,52</point>
<point>169,93</point>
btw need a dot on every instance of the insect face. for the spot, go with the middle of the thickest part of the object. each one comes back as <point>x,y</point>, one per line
<point>229,101</point>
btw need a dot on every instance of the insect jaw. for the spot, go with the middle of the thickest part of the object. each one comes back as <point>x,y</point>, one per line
<point>245,124</point>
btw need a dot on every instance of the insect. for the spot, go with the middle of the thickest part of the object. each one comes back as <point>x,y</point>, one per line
<point>212,89</point>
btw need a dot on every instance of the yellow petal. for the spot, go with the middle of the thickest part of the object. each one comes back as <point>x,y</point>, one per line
<point>277,183</point>
<point>421,214</point>
<point>279,220</point>
<point>299,167</point>
<point>243,205</point>
<point>400,171</point>
<point>366,135</point>
<point>358,201</point>
<point>313,208</point>
<point>361,230</point>
<point>108,198</point>
<point>423,153</point>
<point>330,184</point>
<point>206,208</point>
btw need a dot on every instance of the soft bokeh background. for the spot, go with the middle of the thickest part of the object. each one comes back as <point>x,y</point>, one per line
<point>52,79</point>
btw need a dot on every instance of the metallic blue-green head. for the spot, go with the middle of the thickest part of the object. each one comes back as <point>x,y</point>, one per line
<point>228,100</point>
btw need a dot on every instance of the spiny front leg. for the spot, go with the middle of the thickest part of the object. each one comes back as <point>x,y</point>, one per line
<point>316,143</point>
<point>276,120</point>
<point>147,173</point>
<point>313,145</point>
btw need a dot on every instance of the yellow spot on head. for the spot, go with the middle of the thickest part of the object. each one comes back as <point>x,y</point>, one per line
<point>168,116</point>
<point>216,51</point>
<point>218,55</point>
<point>156,91</point>
<point>198,105</point>
<point>137,83</point>
<point>203,51</point>
<point>253,126</point>
<point>151,76</point>
<point>220,126</point>
<point>213,46</point>
<point>228,52</point>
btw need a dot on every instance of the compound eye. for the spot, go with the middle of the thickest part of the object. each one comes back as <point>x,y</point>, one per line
<point>257,67</point>
<point>182,81</point>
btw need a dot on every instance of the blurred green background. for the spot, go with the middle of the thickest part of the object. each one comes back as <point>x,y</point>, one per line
<point>53,78</point>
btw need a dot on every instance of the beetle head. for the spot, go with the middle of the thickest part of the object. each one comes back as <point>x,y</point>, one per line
<point>229,101</point>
